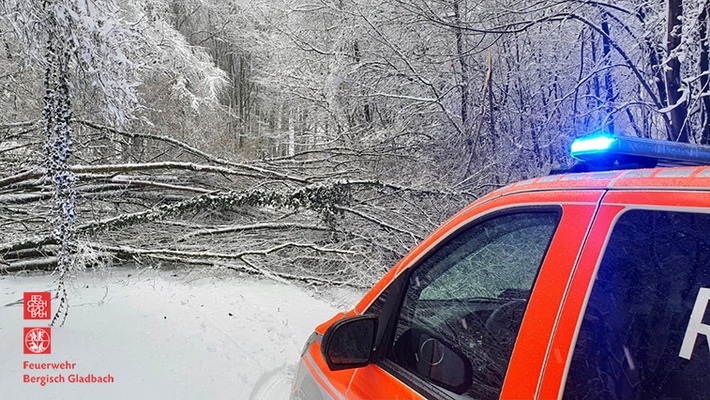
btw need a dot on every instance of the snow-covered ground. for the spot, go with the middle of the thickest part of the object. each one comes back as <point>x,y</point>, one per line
<point>165,334</point>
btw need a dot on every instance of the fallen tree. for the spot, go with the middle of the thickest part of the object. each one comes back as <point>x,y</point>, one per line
<point>305,218</point>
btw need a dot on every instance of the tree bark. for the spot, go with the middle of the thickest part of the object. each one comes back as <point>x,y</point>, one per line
<point>464,87</point>
<point>608,80</point>
<point>704,70</point>
<point>679,111</point>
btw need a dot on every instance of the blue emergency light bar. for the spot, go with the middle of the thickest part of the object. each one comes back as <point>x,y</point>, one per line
<point>604,151</point>
<point>592,144</point>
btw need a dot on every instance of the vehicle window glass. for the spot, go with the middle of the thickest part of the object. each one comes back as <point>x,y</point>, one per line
<point>464,303</point>
<point>645,330</point>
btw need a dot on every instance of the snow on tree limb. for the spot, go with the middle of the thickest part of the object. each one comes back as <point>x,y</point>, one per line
<point>194,150</point>
<point>239,255</point>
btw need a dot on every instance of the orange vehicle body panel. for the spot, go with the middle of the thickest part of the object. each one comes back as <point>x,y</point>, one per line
<point>334,382</point>
<point>541,313</point>
<point>613,205</point>
<point>543,350</point>
<point>577,295</point>
<point>372,382</point>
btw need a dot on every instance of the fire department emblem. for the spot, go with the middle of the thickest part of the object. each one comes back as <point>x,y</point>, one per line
<point>37,305</point>
<point>38,340</point>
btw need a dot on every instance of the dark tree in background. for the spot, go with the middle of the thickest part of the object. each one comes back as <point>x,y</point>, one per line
<point>704,24</point>
<point>679,126</point>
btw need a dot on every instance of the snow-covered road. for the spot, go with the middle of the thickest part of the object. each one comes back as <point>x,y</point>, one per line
<point>168,334</point>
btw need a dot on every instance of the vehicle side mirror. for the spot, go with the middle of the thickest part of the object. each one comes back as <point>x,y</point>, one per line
<point>348,343</point>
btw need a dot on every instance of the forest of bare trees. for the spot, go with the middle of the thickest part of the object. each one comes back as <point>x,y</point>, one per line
<point>315,140</point>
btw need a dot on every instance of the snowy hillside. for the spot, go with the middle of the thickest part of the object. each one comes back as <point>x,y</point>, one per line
<point>164,335</point>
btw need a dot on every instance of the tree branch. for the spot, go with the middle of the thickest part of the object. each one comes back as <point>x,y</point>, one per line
<point>195,151</point>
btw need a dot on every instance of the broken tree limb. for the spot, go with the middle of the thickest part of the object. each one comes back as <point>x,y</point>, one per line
<point>208,258</point>
<point>136,182</point>
<point>23,176</point>
<point>39,172</point>
<point>254,227</point>
<point>195,151</point>
<point>308,197</point>
<point>27,243</point>
<point>400,188</point>
<point>127,250</point>
<point>382,224</point>
<point>117,168</point>
<point>116,187</point>
<point>250,269</point>
<point>20,124</point>
<point>44,264</point>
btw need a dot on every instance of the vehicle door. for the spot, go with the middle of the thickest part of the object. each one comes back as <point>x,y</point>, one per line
<point>475,312</point>
<point>636,319</point>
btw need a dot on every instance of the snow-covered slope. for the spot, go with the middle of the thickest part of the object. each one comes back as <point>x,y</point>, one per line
<point>164,335</point>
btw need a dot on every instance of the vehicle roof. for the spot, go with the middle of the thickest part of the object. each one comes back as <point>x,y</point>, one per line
<point>676,178</point>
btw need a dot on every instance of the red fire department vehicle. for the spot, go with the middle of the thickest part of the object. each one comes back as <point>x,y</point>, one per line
<point>588,285</point>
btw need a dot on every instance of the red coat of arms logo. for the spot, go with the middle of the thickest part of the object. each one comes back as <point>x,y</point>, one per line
<point>38,340</point>
<point>38,305</point>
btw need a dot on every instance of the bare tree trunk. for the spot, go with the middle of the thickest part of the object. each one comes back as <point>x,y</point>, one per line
<point>489,85</point>
<point>679,112</point>
<point>608,81</point>
<point>596,84</point>
<point>465,76</point>
<point>704,70</point>
<point>654,61</point>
